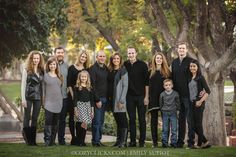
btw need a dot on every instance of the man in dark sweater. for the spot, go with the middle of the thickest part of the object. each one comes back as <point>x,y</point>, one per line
<point>181,76</point>
<point>137,96</point>
<point>98,74</point>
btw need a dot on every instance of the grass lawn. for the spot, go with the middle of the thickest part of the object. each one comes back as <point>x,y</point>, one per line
<point>10,89</point>
<point>15,149</point>
<point>229,83</point>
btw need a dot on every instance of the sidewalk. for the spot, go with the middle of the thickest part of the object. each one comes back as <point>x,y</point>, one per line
<point>16,137</point>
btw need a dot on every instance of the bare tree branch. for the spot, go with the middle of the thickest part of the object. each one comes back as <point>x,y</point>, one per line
<point>161,22</point>
<point>93,21</point>
<point>223,62</point>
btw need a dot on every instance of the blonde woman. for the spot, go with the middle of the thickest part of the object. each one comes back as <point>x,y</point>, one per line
<point>31,94</point>
<point>158,73</point>
<point>81,63</point>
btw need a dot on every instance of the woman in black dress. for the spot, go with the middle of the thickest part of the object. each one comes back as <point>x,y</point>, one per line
<point>81,63</point>
<point>159,71</point>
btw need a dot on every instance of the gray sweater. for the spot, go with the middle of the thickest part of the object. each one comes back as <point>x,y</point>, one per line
<point>169,102</point>
<point>52,94</point>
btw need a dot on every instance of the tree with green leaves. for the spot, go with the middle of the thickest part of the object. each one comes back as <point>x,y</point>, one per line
<point>25,25</point>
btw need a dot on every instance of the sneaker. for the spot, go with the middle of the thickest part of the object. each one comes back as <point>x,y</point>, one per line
<point>206,145</point>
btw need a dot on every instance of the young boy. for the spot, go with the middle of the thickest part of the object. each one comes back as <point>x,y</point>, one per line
<point>169,105</point>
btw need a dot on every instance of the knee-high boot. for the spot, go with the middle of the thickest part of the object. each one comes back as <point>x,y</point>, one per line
<point>33,136</point>
<point>26,135</point>
<point>154,135</point>
<point>117,138</point>
<point>54,134</point>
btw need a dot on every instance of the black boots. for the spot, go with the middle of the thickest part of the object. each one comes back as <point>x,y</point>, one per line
<point>29,135</point>
<point>117,138</point>
<point>123,138</point>
<point>154,136</point>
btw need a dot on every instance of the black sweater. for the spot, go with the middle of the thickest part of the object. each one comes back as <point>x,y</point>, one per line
<point>138,77</point>
<point>98,77</point>
<point>201,85</point>
<point>181,75</point>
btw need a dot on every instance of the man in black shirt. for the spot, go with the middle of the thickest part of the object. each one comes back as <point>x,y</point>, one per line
<point>181,76</point>
<point>137,96</point>
<point>98,74</point>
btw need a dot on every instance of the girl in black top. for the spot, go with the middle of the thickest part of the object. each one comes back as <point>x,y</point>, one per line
<point>158,73</point>
<point>196,85</point>
<point>84,99</point>
<point>31,94</point>
<point>81,63</point>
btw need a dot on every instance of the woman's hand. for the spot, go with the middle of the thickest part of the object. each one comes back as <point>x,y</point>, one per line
<point>120,106</point>
<point>24,104</point>
<point>198,103</point>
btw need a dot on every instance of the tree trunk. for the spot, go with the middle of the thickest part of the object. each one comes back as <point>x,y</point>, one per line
<point>233,79</point>
<point>214,115</point>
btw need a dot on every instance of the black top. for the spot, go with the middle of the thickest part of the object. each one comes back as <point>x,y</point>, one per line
<point>98,77</point>
<point>110,79</point>
<point>181,75</point>
<point>33,90</point>
<point>155,89</point>
<point>84,95</point>
<point>72,76</point>
<point>138,77</point>
<point>201,85</point>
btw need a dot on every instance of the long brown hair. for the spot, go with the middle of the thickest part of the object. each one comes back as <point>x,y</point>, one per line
<point>87,63</point>
<point>57,71</point>
<point>165,71</point>
<point>111,65</point>
<point>30,64</point>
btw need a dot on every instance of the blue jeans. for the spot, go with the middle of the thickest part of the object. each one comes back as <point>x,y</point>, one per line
<point>186,113</point>
<point>98,121</point>
<point>169,120</point>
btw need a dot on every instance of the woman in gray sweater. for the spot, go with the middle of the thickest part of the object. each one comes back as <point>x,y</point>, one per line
<point>52,100</point>
<point>117,90</point>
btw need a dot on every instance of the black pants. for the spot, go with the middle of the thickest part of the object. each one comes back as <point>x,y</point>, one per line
<point>36,104</point>
<point>71,116</point>
<point>197,121</point>
<point>80,133</point>
<point>121,119</point>
<point>62,121</point>
<point>186,113</point>
<point>154,125</point>
<point>134,102</point>
<point>51,118</point>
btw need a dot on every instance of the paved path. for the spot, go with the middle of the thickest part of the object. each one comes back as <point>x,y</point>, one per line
<point>16,137</point>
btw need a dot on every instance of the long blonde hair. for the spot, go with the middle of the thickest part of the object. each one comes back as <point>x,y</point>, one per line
<point>87,63</point>
<point>88,83</point>
<point>165,71</point>
<point>30,64</point>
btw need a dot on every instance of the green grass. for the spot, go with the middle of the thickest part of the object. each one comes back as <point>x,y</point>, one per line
<point>13,149</point>
<point>10,89</point>
<point>229,83</point>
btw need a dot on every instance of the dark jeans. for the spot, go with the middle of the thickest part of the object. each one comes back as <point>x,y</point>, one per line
<point>71,116</point>
<point>197,122</point>
<point>121,119</point>
<point>51,118</point>
<point>62,121</point>
<point>154,125</point>
<point>169,121</point>
<point>134,102</point>
<point>186,112</point>
<point>36,104</point>
<point>98,121</point>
